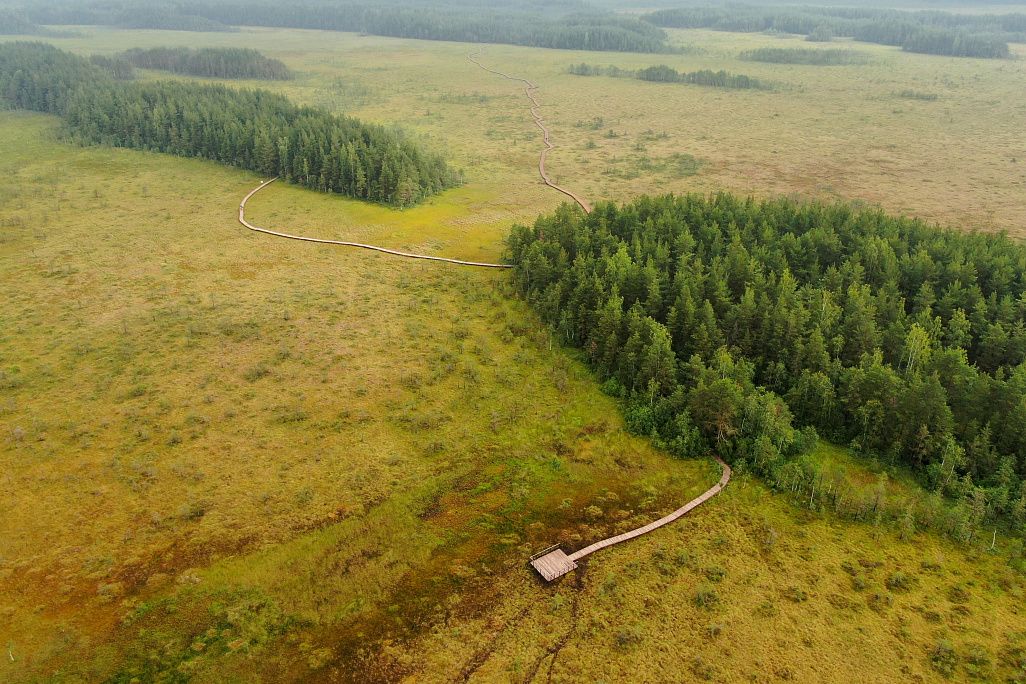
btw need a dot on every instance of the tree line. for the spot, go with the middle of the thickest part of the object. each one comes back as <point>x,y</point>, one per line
<point>15,24</point>
<point>251,129</point>
<point>933,32</point>
<point>809,56</point>
<point>666,74</point>
<point>563,25</point>
<point>241,63</point>
<point>752,328</point>
<point>138,15</point>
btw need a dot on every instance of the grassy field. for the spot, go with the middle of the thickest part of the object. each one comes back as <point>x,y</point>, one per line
<point>225,457</point>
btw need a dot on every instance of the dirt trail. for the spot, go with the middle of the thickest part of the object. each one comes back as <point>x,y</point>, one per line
<point>530,90</point>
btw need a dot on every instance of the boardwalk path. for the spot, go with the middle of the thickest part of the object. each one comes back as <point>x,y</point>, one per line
<point>408,255</point>
<point>531,90</point>
<point>553,562</point>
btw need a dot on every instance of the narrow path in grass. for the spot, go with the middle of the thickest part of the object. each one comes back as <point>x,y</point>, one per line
<point>665,520</point>
<point>530,90</point>
<point>551,563</point>
<point>344,243</point>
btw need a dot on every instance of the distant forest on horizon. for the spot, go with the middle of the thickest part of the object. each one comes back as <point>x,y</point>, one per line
<point>564,24</point>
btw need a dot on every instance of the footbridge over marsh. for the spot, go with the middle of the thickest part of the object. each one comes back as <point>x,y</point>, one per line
<point>553,562</point>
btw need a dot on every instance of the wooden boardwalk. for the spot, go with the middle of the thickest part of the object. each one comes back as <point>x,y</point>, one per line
<point>556,563</point>
<point>375,248</point>
<point>531,90</point>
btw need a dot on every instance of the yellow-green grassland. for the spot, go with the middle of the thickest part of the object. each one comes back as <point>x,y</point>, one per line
<point>226,457</point>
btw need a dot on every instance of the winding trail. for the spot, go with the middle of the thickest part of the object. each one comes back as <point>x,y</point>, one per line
<point>344,243</point>
<point>530,90</point>
<point>552,562</point>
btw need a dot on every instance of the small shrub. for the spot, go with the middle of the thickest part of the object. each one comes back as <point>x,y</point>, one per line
<point>943,657</point>
<point>898,581</point>
<point>703,669</point>
<point>292,415</point>
<point>977,662</point>
<point>193,510</point>
<point>706,597</point>
<point>916,95</point>
<point>715,573</point>
<point>880,600</point>
<point>958,594</point>
<point>627,637</point>
<point>257,372</point>
<point>612,388</point>
<point>412,381</point>
<point>796,594</point>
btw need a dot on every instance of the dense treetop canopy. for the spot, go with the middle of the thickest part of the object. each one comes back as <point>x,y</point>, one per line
<point>661,73</point>
<point>252,129</point>
<point>811,56</point>
<point>567,24</point>
<point>242,63</point>
<point>735,324</point>
<point>935,32</point>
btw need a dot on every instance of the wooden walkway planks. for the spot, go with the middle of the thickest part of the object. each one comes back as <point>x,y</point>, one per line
<point>553,564</point>
<point>557,564</point>
<point>530,90</point>
<point>375,248</point>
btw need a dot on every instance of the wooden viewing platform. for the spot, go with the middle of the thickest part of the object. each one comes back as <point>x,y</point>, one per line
<point>554,562</point>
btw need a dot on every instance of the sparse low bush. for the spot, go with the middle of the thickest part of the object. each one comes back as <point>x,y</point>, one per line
<point>715,573</point>
<point>977,662</point>
<point>898,581</point>
<point>766,609</point>
<point>193,510</point>
<point>796,594</point>
<point>943,657</point>
<point>629,636</point>
<point>958,594</point>
<point>706,597</point>
<point>880,600</point>
<point>703,669</point>
<point>257,372</point>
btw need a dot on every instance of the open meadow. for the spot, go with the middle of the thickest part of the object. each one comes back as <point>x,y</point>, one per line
<point>228,457</point>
